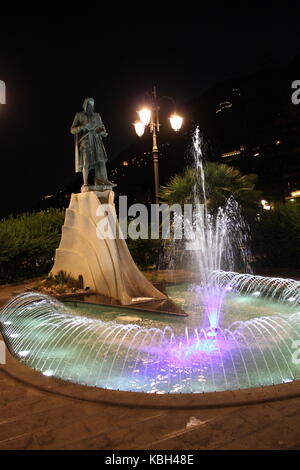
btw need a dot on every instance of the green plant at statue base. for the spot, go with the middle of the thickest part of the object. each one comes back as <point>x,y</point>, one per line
<point>60,283</point>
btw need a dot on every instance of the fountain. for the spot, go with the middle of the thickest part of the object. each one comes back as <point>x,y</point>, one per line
<point>219,242</point>
<point>242,330</point>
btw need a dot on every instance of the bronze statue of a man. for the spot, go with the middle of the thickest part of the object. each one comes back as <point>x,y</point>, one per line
<point>90,153</point>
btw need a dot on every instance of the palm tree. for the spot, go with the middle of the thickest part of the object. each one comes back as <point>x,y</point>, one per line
<point>221,181</point>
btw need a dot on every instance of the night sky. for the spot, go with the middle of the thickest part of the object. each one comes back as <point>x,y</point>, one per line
<point>51,63</point>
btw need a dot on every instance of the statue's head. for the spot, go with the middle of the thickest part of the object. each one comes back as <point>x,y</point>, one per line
<point>89,105</point>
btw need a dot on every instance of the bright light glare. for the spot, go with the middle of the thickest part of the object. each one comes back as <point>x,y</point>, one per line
<point>256,293</point>
<point>265,205</point>
<point>176,122</point>
<point>48,373</point>
<point>145,116</point>
<point>24,353</point>
<point>292,299</point>
<point>139,128</point>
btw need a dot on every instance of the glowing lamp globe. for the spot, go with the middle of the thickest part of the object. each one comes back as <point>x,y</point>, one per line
<point>145,116</point>
<point>139,128</point>
<point>176,122</point>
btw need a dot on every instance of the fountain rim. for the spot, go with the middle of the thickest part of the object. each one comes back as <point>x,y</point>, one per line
<point>23,374</point>
<point>17,370</point>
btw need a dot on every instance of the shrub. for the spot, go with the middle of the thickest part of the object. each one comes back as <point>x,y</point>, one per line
<point>276,237</point>
<point>28,243</point>
<point>145,252</point>
<point>62,278</point>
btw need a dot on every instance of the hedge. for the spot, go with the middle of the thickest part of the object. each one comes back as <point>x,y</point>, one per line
<point>28,243</point>
<point>276,237</point>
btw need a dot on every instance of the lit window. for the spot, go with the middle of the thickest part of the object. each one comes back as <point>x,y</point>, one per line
<point>231,154</point>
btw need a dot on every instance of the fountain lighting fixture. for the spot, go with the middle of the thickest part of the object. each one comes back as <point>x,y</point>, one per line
<point>212,332</point>
<point>24,353</point>
<point>48,373</point>
<point>206,346</point>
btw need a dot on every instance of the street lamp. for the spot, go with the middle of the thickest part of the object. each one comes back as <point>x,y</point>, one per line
<point>145,116</point>
<point>139,128</point>
<point>176,122</point>
<point>150,116</point>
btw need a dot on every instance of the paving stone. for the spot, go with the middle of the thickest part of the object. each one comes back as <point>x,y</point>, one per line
<point>20,443</point>
<point>286,407</point>
<point>55,416</point>
<point>245,443</point>
<point>261,415</point>
<point>32,419</point>
<point>275,437</point>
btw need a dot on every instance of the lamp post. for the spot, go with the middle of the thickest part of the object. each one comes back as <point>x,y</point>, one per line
<point>150,116</point>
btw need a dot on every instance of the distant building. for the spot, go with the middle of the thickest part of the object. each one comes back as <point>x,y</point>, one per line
<point>249,122</point>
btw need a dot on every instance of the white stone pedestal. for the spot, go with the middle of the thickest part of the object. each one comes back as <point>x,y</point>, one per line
<point>106,265</point>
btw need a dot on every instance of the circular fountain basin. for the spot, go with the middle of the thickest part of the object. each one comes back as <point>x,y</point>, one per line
<point>256,343</point>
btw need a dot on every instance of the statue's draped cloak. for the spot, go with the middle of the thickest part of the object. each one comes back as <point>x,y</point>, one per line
<point>88,145</point>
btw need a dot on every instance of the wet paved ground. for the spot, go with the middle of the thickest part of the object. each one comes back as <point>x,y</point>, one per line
<point>31,419</point>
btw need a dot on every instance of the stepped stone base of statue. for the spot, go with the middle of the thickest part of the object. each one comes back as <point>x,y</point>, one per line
<point>105,264</point>
<point>99,187</point>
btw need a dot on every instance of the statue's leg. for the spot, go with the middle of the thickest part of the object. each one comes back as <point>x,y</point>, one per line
<point>85,172</point>
<point>100,171</point>
<point>85,167</point>
<point>85,175</point>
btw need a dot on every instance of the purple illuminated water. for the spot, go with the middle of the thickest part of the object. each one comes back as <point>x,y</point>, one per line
<point>219,242</point>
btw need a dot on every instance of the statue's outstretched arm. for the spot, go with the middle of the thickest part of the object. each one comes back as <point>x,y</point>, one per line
<point>76,126</point>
